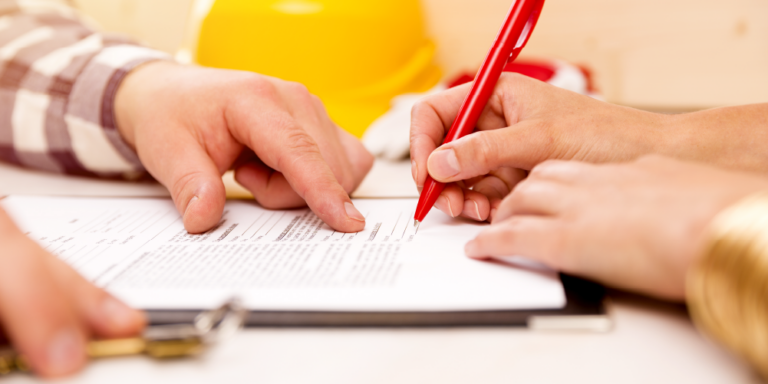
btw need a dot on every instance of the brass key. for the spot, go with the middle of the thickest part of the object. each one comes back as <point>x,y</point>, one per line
<point>11,362</point>
<point>160,342</point>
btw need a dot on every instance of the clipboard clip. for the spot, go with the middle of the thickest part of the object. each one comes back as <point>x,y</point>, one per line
<point>160,342</point>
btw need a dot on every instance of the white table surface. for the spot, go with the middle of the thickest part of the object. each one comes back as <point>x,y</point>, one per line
<point>652,342</point>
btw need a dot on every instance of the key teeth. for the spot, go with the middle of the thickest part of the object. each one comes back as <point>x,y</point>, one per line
<point>10,362</point>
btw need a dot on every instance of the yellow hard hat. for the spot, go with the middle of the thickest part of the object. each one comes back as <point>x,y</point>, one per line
<point>356,55</point>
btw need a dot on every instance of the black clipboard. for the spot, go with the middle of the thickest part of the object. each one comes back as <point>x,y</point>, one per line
<point>586,310</point>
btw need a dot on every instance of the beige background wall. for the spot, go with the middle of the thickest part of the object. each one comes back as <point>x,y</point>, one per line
<point>675,54</point>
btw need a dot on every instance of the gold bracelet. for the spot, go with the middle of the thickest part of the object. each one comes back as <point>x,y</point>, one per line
<point>727,291</point>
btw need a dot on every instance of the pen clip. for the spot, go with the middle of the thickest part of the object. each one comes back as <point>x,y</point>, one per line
<point>528,29</point>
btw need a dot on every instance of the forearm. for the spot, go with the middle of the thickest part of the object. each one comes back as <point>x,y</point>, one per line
<point>732,137</point>
<point>58,81</point>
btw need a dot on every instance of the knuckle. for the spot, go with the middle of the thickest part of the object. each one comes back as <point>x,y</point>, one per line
<point>298,88</point>
<point>299,93</point>
<point>257,83</point>
<point>419,108</point>
<point>543,169</point>
<point>650,159</point>
<point>419,137</point>
<point>487,150</point>
<point>477,150</point>
<point>521,194</point>
<point>299,146</point>
<point>300,141</point>
<point>514,84</point>
<point>424,116</point>
<point>317,102</point>
<point>558,169</point>
<point>513,231</point>
<point>514,227</point>
<point>513,77</point>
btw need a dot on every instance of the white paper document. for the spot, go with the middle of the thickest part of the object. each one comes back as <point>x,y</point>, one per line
<point>279,260</point>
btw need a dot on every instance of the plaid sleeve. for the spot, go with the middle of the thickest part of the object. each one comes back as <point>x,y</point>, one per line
<point>58,81</point>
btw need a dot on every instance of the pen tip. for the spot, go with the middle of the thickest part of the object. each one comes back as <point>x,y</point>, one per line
<point>416,223</point>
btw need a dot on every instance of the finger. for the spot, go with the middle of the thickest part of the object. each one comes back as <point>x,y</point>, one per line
<point>566,172</point>
<point>536,238</point>
<point>309,112</point>
<point>285,146</point>
<point>520,146</point>
<point>269,187</point>
<point>40,323</point>
<point>106,316</point>
<point>359,157</point>
<point>476,206</point>
<point>534,197</point>
<point>183,166</point>
<point>495,204</point>
<point>499,183</point>
<point>494,190</point>
<point>495,187</point>
<point>451,200</point>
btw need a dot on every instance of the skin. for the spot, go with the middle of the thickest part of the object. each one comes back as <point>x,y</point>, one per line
<point>189,125</point>
<point>638,226</point>
<point>49,311</point>
<point>527,122</point>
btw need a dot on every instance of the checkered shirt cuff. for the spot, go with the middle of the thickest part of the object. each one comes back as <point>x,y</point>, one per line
<point>58,82</point>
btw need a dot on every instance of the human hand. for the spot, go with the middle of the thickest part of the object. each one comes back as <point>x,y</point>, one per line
<point>527,122</point>
<point>190,124</point>
<point>638,226</point>
<point>48,311</point>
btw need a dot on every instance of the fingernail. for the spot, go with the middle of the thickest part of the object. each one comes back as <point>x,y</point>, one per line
<point>444,164</point>
<point>118,314</point>
<point>353,213</point>
<point>472,210</point>
<point>444,205</point>
<point>414,170</point>
<point>191,203</point>
<point>65,352</point>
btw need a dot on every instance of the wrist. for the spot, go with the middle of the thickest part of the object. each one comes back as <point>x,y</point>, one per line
<point>673,135</point>
<point>136,89</point>
<point>726,288</point>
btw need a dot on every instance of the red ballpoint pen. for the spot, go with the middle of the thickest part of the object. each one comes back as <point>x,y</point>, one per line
<point>514,35</point>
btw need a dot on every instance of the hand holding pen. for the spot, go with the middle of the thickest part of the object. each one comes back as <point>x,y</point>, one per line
<point>514,34</point>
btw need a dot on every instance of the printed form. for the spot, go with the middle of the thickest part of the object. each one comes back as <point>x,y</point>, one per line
<point>279,260</point>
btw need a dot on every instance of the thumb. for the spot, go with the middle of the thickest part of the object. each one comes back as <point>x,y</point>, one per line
<point>35,311</point>
<point>105,315</point>
<point>520,146</point>
<point>194,182</point>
